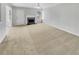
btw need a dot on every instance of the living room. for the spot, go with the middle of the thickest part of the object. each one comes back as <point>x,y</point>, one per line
<point>39,28</point>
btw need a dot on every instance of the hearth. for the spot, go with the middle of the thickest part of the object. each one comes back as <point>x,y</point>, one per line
<point>30,20</point>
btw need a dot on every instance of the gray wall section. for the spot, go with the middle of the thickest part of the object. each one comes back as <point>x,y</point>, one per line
<point>64,16</point>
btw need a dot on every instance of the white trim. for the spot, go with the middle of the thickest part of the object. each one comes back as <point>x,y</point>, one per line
<point>1,40</point>
<point>5,34</point>
<point>63,29</point>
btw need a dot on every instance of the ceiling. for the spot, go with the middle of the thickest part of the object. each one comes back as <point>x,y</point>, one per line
<point>34,5</point>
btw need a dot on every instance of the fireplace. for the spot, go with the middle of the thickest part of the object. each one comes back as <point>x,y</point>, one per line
<point>30,20</point>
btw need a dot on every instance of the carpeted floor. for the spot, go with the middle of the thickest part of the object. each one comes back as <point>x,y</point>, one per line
<point>39,39</point>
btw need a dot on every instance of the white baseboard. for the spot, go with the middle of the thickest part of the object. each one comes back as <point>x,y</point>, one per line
<point>5,34</point>
<point>1,40</point>
<point>63,29</point>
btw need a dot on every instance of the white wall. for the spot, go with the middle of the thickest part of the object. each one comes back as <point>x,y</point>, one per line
<point>63,16</point>
<point>0,12</point>
<point>31,11</point>
<point>3,24</point>
<point>18,16</point>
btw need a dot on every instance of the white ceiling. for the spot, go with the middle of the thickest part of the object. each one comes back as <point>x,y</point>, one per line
<point>34,5</point>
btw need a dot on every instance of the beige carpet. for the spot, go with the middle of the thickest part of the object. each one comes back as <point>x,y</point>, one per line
<point>39,39</point>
